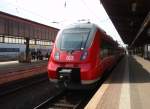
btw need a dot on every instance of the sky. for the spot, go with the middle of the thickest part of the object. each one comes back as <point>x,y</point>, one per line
<point>59,13</point>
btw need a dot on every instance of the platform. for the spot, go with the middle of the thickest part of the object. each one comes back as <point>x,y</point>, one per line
<point>11,71</point>
<point>128,86</point>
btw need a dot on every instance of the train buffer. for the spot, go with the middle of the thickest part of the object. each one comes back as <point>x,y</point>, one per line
<point>12,71</point>
<point>128,86</point>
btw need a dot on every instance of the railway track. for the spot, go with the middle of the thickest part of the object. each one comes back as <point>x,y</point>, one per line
<point>65,100</point>
<point>15,86</point>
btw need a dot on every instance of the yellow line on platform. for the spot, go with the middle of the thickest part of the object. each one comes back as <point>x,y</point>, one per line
<point>93,103</point>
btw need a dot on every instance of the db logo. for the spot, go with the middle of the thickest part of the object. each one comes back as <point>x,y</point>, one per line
<point>70,58</point>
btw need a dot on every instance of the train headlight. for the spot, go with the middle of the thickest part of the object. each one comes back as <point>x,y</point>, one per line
<point>57,55</point>
<point>84,55</point>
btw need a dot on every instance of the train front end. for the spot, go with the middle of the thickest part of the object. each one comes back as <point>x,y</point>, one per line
<point>71,62</point>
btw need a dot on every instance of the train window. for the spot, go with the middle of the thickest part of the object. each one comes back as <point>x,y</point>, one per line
<point>1,38</point>
<point>19,41</point>
<point>37,42</point>
<point>106,49</point>
<point>6,40</point>
<point>48,43</point>
<point>23,41</point>
<point>40,42</point>
<point>104,53</point>
<point>32,42</point>
<point>10,40</point>
<point>73,39</point>
<point>45,43</point>
<point>13,40</point>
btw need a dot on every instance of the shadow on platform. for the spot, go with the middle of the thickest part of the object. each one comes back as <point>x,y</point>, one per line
<point>137,74</point>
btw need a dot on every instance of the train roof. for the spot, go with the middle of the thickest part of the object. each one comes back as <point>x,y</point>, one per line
<point>84,25</point>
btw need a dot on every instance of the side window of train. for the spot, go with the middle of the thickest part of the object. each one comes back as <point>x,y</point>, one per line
<point>105,49</point>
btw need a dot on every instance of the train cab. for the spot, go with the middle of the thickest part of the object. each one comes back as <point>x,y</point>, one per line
<point>75,60</point>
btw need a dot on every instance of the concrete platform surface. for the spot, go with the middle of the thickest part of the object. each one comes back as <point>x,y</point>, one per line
<point>11,71</point>
<point>128,86</point>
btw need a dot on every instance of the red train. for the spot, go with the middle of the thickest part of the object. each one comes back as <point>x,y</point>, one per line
<point>80,56</point>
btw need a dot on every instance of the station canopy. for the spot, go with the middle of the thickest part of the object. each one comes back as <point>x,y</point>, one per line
<point>131,18</point>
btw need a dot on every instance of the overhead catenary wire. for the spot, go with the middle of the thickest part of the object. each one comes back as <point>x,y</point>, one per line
<point>92,12</point>
<point>18,9</point>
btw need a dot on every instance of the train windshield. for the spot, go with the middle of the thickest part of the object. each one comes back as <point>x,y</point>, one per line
<point>74,39</point>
